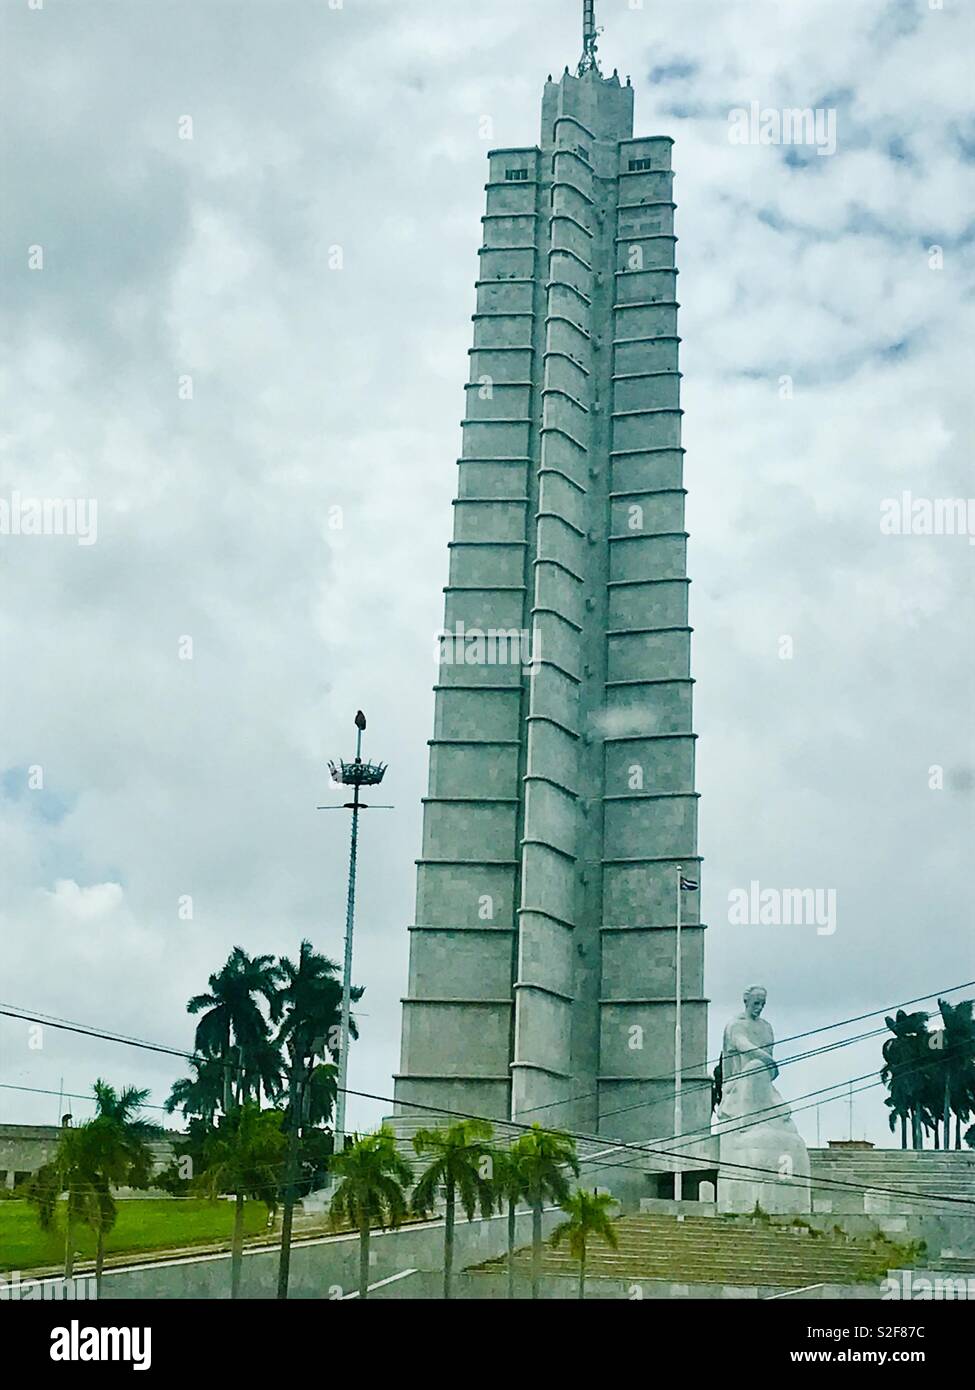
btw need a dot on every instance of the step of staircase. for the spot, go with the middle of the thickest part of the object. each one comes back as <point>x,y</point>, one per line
<point>924,1173</point>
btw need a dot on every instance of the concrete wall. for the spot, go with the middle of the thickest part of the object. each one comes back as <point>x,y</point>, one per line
<point>327,1268</point>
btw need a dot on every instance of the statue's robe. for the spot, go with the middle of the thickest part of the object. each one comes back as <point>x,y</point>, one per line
<point>747,1072</point>
<point>762,1158</point>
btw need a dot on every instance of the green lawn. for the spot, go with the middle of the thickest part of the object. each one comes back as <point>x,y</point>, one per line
<point>141,1226</point>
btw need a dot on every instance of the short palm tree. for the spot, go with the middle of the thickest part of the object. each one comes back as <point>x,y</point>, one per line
<point>244,1156</point>
<point>461,1165</point>
<point>374,1178</point>
<point>64,1174</point>
<point>104,1163</point>
<point>544,1158</point>
<point>117,1154</point>
<point>589,1215</point>
<point>509,1189</point>
<point>105,1153</point>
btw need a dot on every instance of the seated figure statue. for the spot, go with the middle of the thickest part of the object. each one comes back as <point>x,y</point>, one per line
<point>763,1160</point>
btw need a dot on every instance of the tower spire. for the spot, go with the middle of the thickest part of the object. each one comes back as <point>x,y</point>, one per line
<point>590,34</point>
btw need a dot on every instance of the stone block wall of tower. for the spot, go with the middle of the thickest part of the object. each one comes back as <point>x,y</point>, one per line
<point>561,799</point>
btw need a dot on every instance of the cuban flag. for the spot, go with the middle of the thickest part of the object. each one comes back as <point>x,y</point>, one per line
<point>688,884</point>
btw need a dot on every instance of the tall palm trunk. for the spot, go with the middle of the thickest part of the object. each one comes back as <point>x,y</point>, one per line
<point>99,1262</point>
<point>511,1247</point>
<point>237,1247</point>
<point>582,1273</point>
<point>947,1112</point>
<point>916,1127</point>
<point>903,1131</point>
<point>448,1238</point>
<point>536,1248</point>
<point>284,1262</point>
<point>287,1216</point>
<point>363,1257</point>
<point>958,1131</point>
<point>226,1071</point>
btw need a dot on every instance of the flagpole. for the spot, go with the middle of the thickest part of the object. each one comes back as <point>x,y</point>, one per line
<point>678,1053</point>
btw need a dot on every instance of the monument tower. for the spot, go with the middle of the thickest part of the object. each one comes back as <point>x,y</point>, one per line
<point>561,796</point>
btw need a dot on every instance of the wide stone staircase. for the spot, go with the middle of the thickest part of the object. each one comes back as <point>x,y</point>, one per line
<point>722,1250</point>
<point>886,1180</point>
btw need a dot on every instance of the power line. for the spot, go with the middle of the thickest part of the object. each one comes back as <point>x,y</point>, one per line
<point>760,1175</point>
<point>779,1042</point>
<point>613,1145</point>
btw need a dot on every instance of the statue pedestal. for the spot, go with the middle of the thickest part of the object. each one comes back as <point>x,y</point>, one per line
<point>776,1148</point>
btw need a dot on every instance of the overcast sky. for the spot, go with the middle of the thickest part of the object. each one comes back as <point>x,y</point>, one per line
<point>292,517</point>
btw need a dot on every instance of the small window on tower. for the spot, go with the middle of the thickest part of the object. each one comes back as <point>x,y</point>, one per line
<point>516,175</point>
<point>637,166</point>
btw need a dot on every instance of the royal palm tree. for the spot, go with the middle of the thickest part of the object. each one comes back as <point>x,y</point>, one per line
<point>509,1189</point>
<point>243,1156</point>
<point>461,1165</point>
<point>233,1028</point>
<point>374,1178</point>
<point>202,1094</point>
<point>310,1001</point>
<point>544,1157</point>
<point>907,1072</point>
<point>957,1065</point>
<point>589,1215</point>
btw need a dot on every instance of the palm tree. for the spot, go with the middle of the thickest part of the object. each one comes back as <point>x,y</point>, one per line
<point>122,1109</point>
<point>509,1188</point>
<point>107,1152</point>
<point>201,1094</point>
<point>116,1154</point>
<point>958,1065</point>
<point>589,1215</point>
<point>310,1000</point>
<point>243,1155</point>
<point>372,1191</point>
<point>906,1072</point>
<point>543,1156</point>
<point>233,1029</point>
<point>461,1165</point>
<point>63,1174</point>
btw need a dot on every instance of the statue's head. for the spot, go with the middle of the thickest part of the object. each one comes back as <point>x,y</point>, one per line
<point>755,997</point>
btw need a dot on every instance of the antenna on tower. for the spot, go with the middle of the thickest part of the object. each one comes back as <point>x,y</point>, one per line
<point>590,36</point>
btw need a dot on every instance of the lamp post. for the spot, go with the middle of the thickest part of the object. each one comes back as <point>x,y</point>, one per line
<point>357,775</point>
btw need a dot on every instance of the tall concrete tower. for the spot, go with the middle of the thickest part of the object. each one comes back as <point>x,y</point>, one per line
<point>561,798</point>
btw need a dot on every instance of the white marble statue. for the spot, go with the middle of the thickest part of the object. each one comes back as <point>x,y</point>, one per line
<point>763,1159</point>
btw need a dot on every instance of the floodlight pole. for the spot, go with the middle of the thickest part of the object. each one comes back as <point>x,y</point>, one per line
<point>356,775</point>
<point>339,1140</point>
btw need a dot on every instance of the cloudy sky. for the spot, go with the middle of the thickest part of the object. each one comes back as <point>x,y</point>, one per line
<point>304,267</point>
